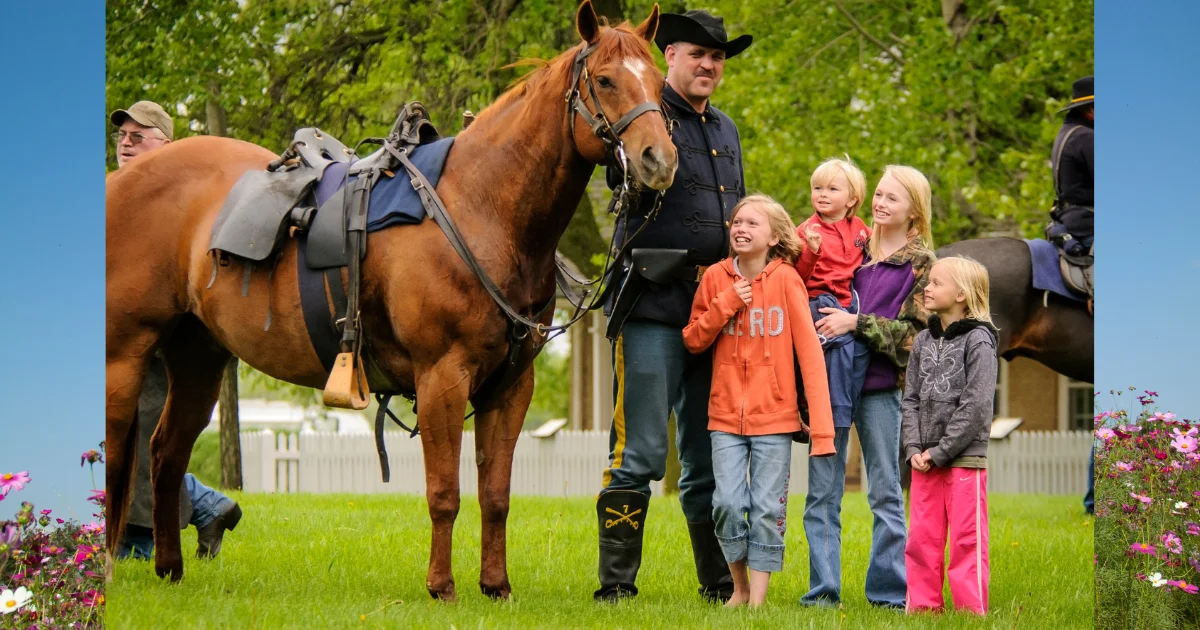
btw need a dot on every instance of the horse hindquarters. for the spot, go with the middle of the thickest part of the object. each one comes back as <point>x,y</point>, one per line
<point>195,364</point>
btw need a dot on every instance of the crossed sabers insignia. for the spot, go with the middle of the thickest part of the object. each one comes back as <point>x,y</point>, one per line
<point>626,517</point>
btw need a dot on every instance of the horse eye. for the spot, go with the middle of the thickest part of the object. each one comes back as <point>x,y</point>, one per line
<point>604,82</point>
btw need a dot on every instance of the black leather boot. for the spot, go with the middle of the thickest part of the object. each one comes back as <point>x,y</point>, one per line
<point>716,584</point>
<point>622,520</point>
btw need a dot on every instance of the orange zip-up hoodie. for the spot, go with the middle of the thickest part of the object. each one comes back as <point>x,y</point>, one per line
<point>754,381</point>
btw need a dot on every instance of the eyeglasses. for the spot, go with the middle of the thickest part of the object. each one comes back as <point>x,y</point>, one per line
<point>136,137</point>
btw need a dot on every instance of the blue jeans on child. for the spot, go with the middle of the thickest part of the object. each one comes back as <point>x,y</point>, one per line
<point>846,360</point>
<point>878,420</point>
<point>207,504</point>
<point>751,518</point>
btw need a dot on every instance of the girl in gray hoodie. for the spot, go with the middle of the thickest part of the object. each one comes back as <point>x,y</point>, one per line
<point>947,417</point>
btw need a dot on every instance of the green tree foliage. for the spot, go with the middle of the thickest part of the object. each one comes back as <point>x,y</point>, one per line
<point>964,90</point>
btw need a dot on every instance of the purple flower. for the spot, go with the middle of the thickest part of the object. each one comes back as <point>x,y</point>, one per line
<point>98,497</point>
<point>91,457</point>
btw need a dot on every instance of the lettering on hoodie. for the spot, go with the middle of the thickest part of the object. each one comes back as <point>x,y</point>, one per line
<point>771,325</point>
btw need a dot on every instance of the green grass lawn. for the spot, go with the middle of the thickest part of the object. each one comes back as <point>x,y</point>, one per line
<point>325,561</point>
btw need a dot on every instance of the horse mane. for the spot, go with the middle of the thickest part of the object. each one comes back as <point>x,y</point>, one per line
<point>556,71</point>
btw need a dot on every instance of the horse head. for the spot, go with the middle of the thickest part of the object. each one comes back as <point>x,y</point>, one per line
<point>615,90</point>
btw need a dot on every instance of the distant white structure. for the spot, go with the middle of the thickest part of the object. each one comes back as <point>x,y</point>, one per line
<point>282,416</point>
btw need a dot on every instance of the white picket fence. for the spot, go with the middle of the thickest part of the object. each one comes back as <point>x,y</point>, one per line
<point>570,463</point>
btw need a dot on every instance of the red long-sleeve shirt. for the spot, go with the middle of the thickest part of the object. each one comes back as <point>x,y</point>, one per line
<point>843,245</point>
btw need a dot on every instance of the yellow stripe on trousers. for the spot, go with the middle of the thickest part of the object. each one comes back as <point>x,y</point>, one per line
<point>618,412</point>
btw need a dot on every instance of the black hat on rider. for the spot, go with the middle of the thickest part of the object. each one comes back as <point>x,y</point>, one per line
<point>701,28</point>
<point>1083,94</point>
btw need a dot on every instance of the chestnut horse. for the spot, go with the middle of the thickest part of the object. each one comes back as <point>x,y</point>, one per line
<point>511,182</point>
<point>1053,331</point>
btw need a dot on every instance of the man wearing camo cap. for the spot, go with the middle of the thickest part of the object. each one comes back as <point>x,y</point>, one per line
<point>143,127</point>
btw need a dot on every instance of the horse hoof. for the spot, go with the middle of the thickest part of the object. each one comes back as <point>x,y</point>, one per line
<point>503,591</point>
<point>176,573</point>
<point>445,593</point>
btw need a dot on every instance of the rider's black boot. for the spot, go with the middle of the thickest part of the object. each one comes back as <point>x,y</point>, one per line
<point>622,520</point>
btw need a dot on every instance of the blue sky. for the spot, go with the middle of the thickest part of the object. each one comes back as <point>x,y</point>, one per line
<point>1148,274</point>
<point>52,244</point>
<point>52,311</point>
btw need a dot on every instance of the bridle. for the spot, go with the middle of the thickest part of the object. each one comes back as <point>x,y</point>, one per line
<point>609,133</point>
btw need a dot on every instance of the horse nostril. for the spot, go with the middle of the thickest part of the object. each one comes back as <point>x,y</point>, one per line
<point>649,160</point>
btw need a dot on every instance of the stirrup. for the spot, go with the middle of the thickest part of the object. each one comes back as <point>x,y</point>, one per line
<point>347,385</point>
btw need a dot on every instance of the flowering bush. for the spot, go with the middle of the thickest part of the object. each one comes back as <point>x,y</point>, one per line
<point>51,575</point>
<point>1147,517</point>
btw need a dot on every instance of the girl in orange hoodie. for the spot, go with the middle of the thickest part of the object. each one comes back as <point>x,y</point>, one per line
<point>754,307</point>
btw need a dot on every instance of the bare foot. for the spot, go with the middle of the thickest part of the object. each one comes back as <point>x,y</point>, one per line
<point>738,599</point>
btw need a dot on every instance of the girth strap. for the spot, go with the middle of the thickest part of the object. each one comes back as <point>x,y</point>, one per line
<point>384,400</point>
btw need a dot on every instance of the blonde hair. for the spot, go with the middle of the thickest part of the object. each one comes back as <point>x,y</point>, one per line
<point>919,215</point>
<point>972,279</point>
<point>789,246</point>
<point>831,168</point>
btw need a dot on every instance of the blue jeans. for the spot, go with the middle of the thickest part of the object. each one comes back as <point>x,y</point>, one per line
<point>878,420</point>
<point>653,375</point>
<point>751,518</point>
<point>1089,499</point>
<point>207,504</point>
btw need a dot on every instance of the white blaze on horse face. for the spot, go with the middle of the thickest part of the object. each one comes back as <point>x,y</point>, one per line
<point>638,68</point>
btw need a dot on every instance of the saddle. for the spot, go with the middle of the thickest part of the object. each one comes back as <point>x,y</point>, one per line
<point>315,191</point>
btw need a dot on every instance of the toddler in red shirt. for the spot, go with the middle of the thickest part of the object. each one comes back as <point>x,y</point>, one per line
<point>836,242</point>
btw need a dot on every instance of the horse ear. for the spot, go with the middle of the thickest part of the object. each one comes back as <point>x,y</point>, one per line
<point>587,23</point>
<point>649,28</point>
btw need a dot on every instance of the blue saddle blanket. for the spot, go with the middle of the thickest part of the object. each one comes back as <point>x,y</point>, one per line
<point>1047,276</point>
<point>393,200</point>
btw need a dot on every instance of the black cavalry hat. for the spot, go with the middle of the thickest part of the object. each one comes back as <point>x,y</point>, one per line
<point>1083,93</point>
<point>698,27</point>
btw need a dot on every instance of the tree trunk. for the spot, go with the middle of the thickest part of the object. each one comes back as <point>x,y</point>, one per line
<point>231,449</point>
<point>214,114</point>
<point>227,404</point>
<point>954,12</point>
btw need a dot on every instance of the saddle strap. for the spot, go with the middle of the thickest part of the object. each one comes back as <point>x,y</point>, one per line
<point>435,208</point>
<point>384,400</point>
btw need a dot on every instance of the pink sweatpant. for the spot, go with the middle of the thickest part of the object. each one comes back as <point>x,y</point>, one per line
<point>954,499</point>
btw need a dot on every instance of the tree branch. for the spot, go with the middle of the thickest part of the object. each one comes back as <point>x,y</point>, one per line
<point>895,55</point>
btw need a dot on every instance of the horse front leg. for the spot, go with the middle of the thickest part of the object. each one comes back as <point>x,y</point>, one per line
<point>195,364</point>
<point>442,393</point>
<point>496,431</point>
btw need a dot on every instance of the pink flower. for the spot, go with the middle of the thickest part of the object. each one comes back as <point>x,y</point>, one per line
<point>1190,589</point>
<point>85,553</point>
<point>1105,434</point>
<point>1125,466</point>
<point>1172,542</point>
<point>9,481</point>
<point>1141,497</point>
<point>1193,529</point>
<point>1147,549</point>
<point>98,497</point>
<point>1183,444</point>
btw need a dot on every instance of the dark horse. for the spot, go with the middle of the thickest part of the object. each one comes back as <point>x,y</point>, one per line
<point>1053,331</point>
<point>511,183</point>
